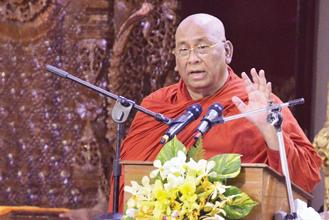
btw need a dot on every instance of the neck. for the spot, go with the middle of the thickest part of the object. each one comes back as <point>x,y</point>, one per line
<point>201,93</point>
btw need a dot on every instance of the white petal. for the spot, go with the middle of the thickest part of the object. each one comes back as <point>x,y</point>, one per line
<point>154,173</point>
<point>145,181</point>
<point>131,212</point>
<point>157,163</point>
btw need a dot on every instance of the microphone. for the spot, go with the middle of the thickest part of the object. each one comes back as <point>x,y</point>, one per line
<point>213,116</point>
<point>192,113</point>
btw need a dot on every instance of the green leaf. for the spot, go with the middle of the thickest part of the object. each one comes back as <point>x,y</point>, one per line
<point>196,152</point>
<point>233,190</point>
<point>227,166</point>
<point>170,150</point>
<point>241,204</point>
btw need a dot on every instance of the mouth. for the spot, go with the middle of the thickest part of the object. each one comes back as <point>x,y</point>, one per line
<point>197,74</point>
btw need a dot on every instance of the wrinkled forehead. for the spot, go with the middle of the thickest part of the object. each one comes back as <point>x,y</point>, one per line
<point>193,31</point>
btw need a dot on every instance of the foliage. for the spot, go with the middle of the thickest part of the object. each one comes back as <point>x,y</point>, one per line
<point>185,186</point>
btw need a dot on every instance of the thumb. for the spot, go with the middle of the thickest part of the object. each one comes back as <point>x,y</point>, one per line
<point>241,106</point>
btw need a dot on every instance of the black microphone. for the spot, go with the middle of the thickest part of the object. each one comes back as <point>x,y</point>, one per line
<point>213,116</point>
<point>192,113</point>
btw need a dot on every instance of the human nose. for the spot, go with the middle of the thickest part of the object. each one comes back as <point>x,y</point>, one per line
<point>193,56</point>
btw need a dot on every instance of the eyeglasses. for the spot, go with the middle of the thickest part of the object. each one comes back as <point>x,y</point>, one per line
<point>199,50</point>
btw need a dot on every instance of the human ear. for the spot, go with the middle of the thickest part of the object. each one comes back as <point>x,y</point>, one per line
<point>228,46</point>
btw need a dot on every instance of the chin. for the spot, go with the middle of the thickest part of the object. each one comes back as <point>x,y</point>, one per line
<point>199,85</point>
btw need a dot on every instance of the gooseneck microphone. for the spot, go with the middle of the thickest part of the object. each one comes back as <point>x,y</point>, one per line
<point>192,113</point>
<point>213,116</point>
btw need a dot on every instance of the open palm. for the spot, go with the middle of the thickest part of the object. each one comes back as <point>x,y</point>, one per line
<point>259,94</point>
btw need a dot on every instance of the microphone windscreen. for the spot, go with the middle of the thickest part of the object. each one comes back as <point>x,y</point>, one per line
<point>196,110</point>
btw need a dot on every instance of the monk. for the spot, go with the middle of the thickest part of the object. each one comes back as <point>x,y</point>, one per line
<point>203,55</point>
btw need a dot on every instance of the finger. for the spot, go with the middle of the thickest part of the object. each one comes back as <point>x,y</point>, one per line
<point>268,90</point>
<point>241,106</point>
<point>249,85</point>
<point>262,81</point>
<point>245,77</point>
<point>255,78</point>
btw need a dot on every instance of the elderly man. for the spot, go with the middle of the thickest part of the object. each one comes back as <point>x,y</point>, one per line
<point>202,57</point>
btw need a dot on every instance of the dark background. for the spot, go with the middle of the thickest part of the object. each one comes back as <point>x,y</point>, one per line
<point>274,35</point>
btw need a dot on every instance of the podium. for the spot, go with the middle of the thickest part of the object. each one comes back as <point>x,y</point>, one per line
<point>261,182</point>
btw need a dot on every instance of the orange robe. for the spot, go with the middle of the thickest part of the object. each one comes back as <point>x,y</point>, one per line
<point>237,136</point>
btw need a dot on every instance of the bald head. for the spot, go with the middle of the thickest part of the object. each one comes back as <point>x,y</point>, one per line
<point>202,54</point>
<point>208,23</point>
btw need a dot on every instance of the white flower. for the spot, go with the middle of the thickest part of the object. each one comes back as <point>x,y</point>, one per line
<point>132,202</point>
<point>206,166</point>
<point>133,189</point>
<point>173,166</point>
<point>304,212</point>
<point>146,190</point>
<point>175,214</point>
<point>210,165</point>
<point>192,165</point>
<point>200,169</point>
<point>179,189</point>
<point>146,181</point>
<point>176,164</point>
<point>173,182</point>
<point>131,212</point>
<point>161,170</point>
<point>219,188</point>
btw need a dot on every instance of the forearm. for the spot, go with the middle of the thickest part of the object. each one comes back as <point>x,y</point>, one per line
<point>269,134</point>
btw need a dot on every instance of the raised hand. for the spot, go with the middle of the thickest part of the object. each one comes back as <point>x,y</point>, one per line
<point>259,96</point>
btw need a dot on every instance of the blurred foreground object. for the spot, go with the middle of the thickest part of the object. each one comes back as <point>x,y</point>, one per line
<point>321,142</point>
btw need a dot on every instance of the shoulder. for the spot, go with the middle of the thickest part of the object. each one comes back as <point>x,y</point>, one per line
<point>164,94</point>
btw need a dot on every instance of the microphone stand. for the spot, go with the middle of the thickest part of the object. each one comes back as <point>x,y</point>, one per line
<point>267,109</point>
<point>120,113</point>
<point>274,117</point>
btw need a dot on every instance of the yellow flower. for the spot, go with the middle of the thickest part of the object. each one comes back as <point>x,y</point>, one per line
<point>159,192</point>
<point>188,187</point>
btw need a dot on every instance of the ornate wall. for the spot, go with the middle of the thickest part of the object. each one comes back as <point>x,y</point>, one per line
<point>57,137</point>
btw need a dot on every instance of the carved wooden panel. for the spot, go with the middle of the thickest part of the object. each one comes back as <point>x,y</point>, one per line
<point>52,134</point>
<point>56,137</point>
<point>141,60</point>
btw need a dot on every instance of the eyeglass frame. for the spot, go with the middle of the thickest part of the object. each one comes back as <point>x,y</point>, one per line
<point>195,49</point>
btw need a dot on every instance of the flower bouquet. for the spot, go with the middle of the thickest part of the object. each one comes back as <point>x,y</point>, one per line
<point>186,186</point>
